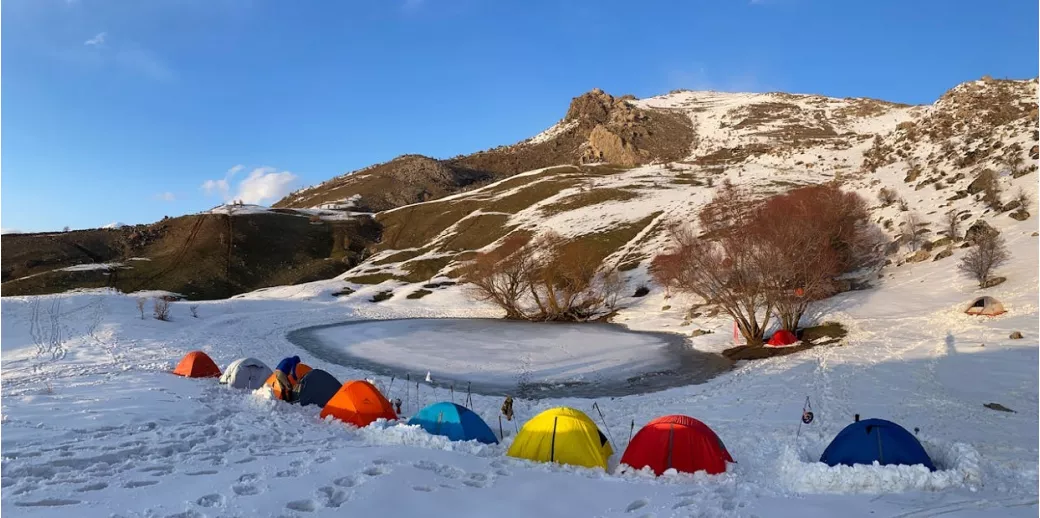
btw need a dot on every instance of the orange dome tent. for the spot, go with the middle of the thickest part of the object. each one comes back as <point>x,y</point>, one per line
<point>301,370</point>
<point>358,403</point>
<point>197,364</point>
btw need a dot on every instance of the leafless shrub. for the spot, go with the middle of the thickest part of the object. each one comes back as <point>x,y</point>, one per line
<point>903,205</point>
<point>988,253</point>
<point>951,224</point>
<point>611,286</point>
<point>912,231</point>
<point>777,259</point>
<point>194,309</point>
<point>161,309</point>
<point>887,196</point>
<point>543,279</point>
<point>1024,199</point>
<point>140,306</point>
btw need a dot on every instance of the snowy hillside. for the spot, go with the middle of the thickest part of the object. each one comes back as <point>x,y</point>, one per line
<point>95,425</point>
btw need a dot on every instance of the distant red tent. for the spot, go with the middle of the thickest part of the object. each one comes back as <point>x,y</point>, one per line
<point>677,441</point>
<point>782,337</point>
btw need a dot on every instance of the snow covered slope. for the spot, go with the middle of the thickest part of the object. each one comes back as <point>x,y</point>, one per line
<point>94,425</point>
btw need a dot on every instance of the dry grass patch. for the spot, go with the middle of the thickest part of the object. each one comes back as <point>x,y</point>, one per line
<point>586,199</point>
<point>477,232</point>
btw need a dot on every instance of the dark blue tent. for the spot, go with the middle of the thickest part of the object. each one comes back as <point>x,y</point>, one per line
<point>864,442</point>
<point>455,422</point>
<point>316,388</point>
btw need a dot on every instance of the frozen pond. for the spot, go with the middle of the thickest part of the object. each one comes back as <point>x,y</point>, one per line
<point>526,359</point>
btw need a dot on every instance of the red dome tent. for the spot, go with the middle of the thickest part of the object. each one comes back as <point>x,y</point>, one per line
<point>782,337</point>
<point>677,441</point>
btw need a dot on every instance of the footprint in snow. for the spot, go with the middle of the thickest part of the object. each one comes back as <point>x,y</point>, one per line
<point>347,481</point>
<point>97,486</point>
<point>47,502</point>
<point>332,497</point>
<point>306,506</point>
<point>245,489</point>
<point>424,489</point>
<point>638,504</point>
<point>684,503</point>
<point>375,471</point>
<point>211,500</point>
<point>140,483</point>
<point>202,472</point>
<point>287,473</point>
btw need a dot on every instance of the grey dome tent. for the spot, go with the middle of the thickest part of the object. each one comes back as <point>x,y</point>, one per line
<point>987,306</point>
<point>316,388</point>
<point>245,373</point>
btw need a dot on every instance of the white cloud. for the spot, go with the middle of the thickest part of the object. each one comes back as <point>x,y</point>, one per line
<point>96,40</point>
<point>10,231</point>
<point>265,184</point>
<point>262,185</point>
<point>166,196</point>
<point>216,187</point>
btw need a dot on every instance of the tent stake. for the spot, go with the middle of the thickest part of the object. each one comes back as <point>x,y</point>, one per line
<point>631,428</point>
<point>453,392</point>
<point>501,434</point>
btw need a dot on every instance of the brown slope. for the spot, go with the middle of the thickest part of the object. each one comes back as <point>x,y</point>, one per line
<point>191,255</point>
<point>600,128</point>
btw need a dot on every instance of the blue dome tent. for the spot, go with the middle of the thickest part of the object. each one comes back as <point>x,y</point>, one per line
<point>864,442</point>
<point>455,422</point>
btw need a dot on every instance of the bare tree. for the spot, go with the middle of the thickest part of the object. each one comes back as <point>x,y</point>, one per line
<point>988,253</point>
<point>503,276</point>
<point>951,224</point>
<point>815,234</point>
<point>194,309</point>
<point>140,306</point>
<point>612,284</point>
<point>730,273</point>
<point>912,230</point>
<point>161,309</point>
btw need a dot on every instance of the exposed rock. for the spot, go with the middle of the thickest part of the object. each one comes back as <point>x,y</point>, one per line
<point>1019,215</point>
<point>959,195</point>
<point>1035,234</point>
<point>943,255</point>
<point>1016,335</point>
<point>605,146</point>
<point>920,255</point>
<point>927,246</point>
<point>641,291</point>
<point>993,282</point>
<point>1011,205</point>
<point>943,241</point>
<point>998,406</point>
<point>978,229</point>
<point>1034,152</point>
<point>979,183</point>
<point>699,332</point>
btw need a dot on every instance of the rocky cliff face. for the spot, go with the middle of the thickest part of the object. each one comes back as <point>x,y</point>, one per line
<point>597,128</point>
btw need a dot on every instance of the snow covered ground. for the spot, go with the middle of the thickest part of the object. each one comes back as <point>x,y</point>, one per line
<point>94,425</point>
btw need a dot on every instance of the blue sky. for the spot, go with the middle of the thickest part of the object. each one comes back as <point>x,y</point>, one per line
<point>129,110</point>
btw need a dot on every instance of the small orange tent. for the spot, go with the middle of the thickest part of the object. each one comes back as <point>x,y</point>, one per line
<point>197,364</point>
<point>358,403</point>
<point>294,378</point>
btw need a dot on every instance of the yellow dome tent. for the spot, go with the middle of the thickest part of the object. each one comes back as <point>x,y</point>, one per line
<point>562,435</point>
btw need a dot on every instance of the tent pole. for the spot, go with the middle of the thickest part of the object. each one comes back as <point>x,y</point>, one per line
<point>501,434</point>
<point>552,445</point>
